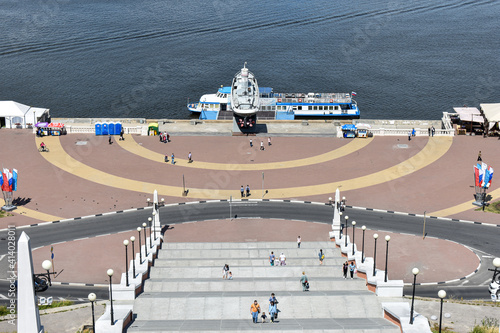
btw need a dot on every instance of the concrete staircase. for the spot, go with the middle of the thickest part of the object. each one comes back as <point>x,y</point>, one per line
<point>186,291</point>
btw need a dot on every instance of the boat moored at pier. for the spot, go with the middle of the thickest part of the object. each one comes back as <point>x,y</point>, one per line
<point>244,99</point>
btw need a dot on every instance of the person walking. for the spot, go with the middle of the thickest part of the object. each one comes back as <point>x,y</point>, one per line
<point>225,271</point>
<point>433,130</point>
<point>121,135</point>
<point>248,190</point>
<point>304,282</point>
<point>299,240</point>
<point>282,259</point>
<point>251,143</point>
<point>273,299</point>
<point>272,311</point>
<point>109,140</point>
<point>242,191</point>
<point>479,159</point>
<point>272,258</point>
<point>168,137</point>
<point>409,135</point>
<point>352,267</point>
<point>254,311</point>
<point>429,130</point>
<point>190,158</point>
<point>166,158</point>
<point>172,158</point>
<point>344,269</point>
<point>413,132</point>
<point>262,145</point>
<point>321,256</point>
<point>269,141</point>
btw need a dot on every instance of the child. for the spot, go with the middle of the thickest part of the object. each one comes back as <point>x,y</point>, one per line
<point>230,275</point>
<point>263,316</point>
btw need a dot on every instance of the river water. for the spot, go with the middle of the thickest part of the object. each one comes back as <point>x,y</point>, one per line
<point>124,58</point>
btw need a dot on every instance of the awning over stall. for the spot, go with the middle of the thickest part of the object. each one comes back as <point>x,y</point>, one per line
<point>491,111</point>
<point>469,114</point>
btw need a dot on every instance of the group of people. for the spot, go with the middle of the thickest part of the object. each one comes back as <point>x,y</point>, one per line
<point>164,137</point>
<point>226,273</point>
<point>277,261</point>
<point>243,190</point>
<point>348,267</point>
<point>431,131</point>
<point>272,311</point>
<point>261,143</point>
<point>172,158</point>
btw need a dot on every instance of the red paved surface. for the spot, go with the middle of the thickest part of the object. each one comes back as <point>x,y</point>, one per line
<point>440,185</point>
<point>438,260</point>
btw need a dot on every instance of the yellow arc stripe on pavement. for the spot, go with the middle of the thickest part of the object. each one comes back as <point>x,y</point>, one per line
<point>433,150</point>
<point>33,213</point>
<point>133,147</point>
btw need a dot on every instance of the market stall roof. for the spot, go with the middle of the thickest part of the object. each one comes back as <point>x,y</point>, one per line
<point>363,126</point>
<point>491,111</point>
<point>469,114</point>
<point>153,125</point>
<point>55,125</point>
<point>42,124</point>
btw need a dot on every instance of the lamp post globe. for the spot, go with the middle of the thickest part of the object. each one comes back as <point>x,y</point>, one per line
<point>363,248</point>
<point>353,231</point>
<point>375,237</point>
<point>125,242</point>
<point>415,272</point>
<point>47,265</point>
<point>442,295</point>
<point>132,238</point>
<point>387,239</point>
<point>92,297</point>
<point>110,274</point>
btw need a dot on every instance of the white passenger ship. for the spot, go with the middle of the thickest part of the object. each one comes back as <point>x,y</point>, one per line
<point>246,101</point>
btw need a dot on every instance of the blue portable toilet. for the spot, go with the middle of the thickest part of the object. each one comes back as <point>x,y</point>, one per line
<point>105,129</point>
<point>111,128</point>
<point>98,129</point>
<point>118,128</point>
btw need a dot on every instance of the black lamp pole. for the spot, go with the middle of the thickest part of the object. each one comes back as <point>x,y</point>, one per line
<point>345,235</point>
<point>144,225</point>
<point>375,236</point>
<point>110,274</point>
<point>442,295</point>
<point>125,242</point>
<point>132,239</point>
<point>363,249</point>
<point>415,272</point>
<point>140,246</point>
<point>353,231</point>
<point>387,239</point>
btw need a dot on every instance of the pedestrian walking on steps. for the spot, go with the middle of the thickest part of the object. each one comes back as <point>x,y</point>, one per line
<point>273,299</point>
<point>225,271</point>
<point>321,256</point>
<point>272,257</point>
<point>299,240</point>
<point>190,158</point>
<point>248,190</point>
<point>345,267</point>
<point>254,311</point>
<point>262,145</point>
<point>272,311</point>
<point>242,191</point>
<point>304,282</point>
<point>352,267</point>
<point>282,259</point>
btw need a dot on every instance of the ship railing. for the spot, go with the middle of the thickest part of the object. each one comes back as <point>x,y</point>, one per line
<point>404,132</point>
<point>447,121</point>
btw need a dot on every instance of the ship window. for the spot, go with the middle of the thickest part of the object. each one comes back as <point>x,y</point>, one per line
<point>321,107</point>
<point>330,107</point>
<point>273,108</point>
<point>299,107</point>
<point>336,107</point>
<point>315,107</point>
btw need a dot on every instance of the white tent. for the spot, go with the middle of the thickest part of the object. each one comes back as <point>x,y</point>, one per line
<point>14,114</point>
<point>491,112</point>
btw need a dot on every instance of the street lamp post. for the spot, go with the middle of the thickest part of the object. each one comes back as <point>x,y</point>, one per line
<point>150,237</point>
<point>144,225</point>
<point>345,234</point>
<point>110,274</point>
<point>125,242</point>
<point>415,272</point>
<point>442,295</point>
<point>92,298</point>
<point>140,246</point>
<point>132,239</point>
<point>375,236</point>
<point>353,230</point>
<point>363,248</point>
<point>154,227</point>
<point>387,239</point>
<point>496,263</point>
<point>47,265</point>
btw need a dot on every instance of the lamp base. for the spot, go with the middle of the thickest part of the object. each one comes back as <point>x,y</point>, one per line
<point>9,208</point>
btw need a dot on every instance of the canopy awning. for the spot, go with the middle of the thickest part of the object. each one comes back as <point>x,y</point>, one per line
<point>491,111</point>
<point>42,124</point>
<point>349,127</point>
<point>55,125</point>
<point>469,114</point>
<point>363,126</point>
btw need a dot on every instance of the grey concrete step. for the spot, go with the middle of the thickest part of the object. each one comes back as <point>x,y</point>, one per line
<point>251,284</point>
<point>306,305</point>
<point>333,325</point>
<point>330,261</point>
<point>245,253</point>
<point>248,245</point>
<point>246,271</point>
